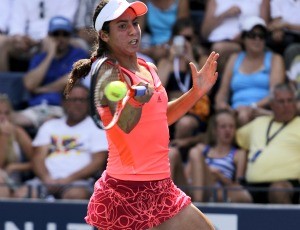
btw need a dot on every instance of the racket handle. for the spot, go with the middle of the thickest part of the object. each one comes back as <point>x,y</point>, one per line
<point>140,90</point>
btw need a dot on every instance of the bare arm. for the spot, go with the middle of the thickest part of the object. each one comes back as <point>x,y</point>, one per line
<point>24,140</point>
<point>164,66</point>
<point>240,160</point>
<point>222,96</point>
<point>38,161</point>
<point>183,9</point>
<point>5,46</point>
<point>203,80</point>
<point>277,75</point>
<point>56,86</point>
<point>265,10</point>
<point>35,77</point>
<point>97,163</point>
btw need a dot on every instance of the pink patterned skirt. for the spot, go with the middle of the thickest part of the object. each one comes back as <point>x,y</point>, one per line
<point>129,205</point>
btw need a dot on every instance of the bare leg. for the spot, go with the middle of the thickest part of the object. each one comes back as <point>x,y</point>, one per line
<point>176,165</point>
<point>76,193</point>
<point>237,194</point>
<point>200,175</point>
<point>190,218</point>
<point>4,190</point>
<point>281,197</point>
<point>185,127</point>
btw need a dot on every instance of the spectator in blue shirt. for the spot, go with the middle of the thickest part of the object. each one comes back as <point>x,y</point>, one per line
<point>48,74</point>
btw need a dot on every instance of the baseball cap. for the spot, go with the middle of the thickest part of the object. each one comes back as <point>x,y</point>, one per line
<point>60,23</point>
<point>115,8</point>
<point>250,22</point>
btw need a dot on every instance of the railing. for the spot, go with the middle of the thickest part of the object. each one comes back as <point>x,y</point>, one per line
<point>214,190</point>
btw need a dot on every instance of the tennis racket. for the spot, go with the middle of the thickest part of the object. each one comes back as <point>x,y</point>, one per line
<point>106,71</point>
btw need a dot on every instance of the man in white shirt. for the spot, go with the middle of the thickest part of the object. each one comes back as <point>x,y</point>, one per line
<point>68,152</point>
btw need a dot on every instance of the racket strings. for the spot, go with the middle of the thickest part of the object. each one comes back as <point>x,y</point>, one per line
<point>107,73</point>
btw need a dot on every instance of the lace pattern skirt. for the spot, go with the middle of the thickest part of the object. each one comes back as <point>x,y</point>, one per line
<point>128,205</point>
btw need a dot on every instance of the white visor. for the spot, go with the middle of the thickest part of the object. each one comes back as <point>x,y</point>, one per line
<point>115,8</point>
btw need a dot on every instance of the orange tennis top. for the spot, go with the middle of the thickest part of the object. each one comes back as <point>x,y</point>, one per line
<point>141,155</point>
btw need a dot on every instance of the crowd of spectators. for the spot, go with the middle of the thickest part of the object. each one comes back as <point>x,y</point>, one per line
<point>234,139</point>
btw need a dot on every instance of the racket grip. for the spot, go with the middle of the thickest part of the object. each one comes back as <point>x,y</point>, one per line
<point>140,90</point>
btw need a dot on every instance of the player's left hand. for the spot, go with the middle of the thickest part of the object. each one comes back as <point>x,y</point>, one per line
<point>206,77</point>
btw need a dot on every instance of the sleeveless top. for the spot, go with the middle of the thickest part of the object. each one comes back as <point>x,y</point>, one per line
<point>250,88</point>
<point>142,154</point>
<point>225,164</point>
<point>160,22</point>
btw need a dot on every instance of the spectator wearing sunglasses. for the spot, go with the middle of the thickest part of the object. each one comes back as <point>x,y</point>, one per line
<point>48,73</point>
<point>250,74</point>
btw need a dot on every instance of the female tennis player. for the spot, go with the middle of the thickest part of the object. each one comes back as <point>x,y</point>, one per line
<point>135,191</point>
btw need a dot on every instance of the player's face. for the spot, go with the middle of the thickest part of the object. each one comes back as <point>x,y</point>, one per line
<point>225,128</point>
<point>125,34</point>
<point>284,106</point>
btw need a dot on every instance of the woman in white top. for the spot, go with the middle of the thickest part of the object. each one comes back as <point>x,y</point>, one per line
<point>221,24</point>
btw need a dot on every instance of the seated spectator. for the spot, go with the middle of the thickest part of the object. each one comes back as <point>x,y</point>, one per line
<point>68,152</point>
<point>284,25</point>
<point>292,60</point>
<point>221,24</point>
<point>175,75</point>
<point>250,74</point>
<point>158,24</point>
<point>218,165</point>
<point>15,151</point>
<point>48,74</point>
<point>273,145</point>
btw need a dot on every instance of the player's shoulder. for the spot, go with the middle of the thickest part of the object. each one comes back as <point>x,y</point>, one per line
<point>152,65</point>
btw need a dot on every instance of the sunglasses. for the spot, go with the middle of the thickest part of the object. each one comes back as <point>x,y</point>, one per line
<point>254,35</point>
<point>60,33</point>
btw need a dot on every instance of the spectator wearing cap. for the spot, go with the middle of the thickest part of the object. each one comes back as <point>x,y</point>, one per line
<point>250,74</point>
<point>48,74</point>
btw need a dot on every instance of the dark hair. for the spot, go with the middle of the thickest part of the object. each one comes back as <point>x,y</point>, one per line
<point>182,23</point>
<point>79,85</point>
<point>245,33</point>
<point>82,67</point>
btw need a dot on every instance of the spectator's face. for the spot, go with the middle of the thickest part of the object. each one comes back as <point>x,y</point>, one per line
<point>284,105</point>
<point>255,40</point>
<point>77,106</point>
<point>187,33</point>
<point>225,128</point>
<point>63,40</point>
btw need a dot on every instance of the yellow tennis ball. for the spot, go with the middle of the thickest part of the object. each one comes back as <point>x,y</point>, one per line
<point>115,90</point>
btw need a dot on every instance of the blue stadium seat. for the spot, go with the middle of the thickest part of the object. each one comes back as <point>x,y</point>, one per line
<point>11,83</point>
